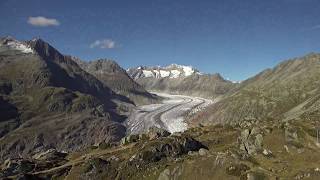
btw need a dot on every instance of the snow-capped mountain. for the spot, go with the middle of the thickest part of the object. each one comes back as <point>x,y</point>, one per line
<point>171,71</point>
<point>179,79</point>
<point>10,43</point>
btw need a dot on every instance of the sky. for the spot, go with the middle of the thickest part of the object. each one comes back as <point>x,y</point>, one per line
<point>235,38</point>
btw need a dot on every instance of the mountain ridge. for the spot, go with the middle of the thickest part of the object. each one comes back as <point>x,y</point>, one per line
<point>272,93</point>
<point>112,75</point>
<point>191,83</point>
<point>50,101</point>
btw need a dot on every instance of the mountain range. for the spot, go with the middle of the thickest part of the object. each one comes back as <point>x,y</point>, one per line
<point>65,118</point>
<point>179,79</point>
<point>50,101</point>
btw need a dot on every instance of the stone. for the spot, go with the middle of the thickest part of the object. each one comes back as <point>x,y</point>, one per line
<point>203,152</point>
<point>155,133</point>
<point>250,141</point>
<point>267,152</point>
<point>171,147</point>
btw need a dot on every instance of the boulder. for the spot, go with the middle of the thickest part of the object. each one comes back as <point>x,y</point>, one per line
<point>155,133</point>
<point>203,152</point>
<point>251,141</point>
<point>291,134</point>
<point>267,152</point>
<point>168,147</point>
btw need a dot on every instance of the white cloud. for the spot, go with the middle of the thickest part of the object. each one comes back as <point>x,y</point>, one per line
<point>315,27</point>
<point>43,21</point>
<point>103,44</point>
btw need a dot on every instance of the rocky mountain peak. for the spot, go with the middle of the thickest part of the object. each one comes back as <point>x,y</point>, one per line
<point>44,49</point>
<point>170,71</point>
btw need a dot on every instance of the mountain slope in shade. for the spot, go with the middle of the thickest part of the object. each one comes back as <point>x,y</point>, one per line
<point>47,99</point>
<point>112,75</point>
<point>189,81</point>
<point>288,91</point>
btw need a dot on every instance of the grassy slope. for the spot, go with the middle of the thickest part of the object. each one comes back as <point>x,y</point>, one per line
<point>115,163</point>
<point>271,94</point>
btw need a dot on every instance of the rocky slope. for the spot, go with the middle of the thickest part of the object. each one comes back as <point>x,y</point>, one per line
<point>177,79</point>
<point>264,151</point>
<point>112,75</point>
<point>288,91</point>
<point>48,101</point>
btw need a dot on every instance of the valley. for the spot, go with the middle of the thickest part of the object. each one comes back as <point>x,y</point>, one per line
<point>66,118</point>
<point>168,115</point>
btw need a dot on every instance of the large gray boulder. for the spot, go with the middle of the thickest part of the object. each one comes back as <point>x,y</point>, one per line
<point>171,147</point>
<point>251,141</point>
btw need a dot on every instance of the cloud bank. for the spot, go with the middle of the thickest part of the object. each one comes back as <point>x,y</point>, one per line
<point>41,21</point>
<point>103,44</point>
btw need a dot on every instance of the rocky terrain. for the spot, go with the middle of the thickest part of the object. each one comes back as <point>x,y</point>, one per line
<point>289,91</point>
<point>178,79</point>
<point>62,118</point>
<point>267,150</point>
<point>48,101</point>
<point>112,75</point>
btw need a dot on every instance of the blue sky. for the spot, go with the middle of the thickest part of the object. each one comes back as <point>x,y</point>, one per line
<point>234,38</point>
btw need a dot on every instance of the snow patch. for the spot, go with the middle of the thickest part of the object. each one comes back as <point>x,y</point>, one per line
<point>188,70</point>
<point>164,73</point>
<point>175,74</point>
<point>16,45</point>
<point>148,73</point>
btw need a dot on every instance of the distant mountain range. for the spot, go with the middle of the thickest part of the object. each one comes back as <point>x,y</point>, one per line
<point>171,71</point>
<point>180,79</point>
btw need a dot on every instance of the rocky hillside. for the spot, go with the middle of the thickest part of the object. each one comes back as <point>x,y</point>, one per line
<point>112,75</point>
<point>270,150</point>
<point>288,91</point>
<point>48,101</point>
<point>177,79</point>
